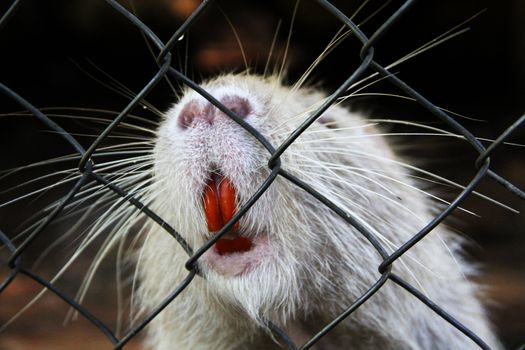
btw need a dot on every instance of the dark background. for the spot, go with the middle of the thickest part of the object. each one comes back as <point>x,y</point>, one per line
<point>53,53</point>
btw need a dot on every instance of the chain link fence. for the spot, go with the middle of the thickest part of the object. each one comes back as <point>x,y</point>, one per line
<point>89,172</point>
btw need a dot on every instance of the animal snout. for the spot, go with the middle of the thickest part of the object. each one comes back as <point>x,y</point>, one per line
<point>195,112</point>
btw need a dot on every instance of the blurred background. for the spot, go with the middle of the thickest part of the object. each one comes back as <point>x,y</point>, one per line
<point>60,54</point>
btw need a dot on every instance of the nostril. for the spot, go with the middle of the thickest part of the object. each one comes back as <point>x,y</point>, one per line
<point>186,117</point>
<point>192,112</point>
<point>238,105</point>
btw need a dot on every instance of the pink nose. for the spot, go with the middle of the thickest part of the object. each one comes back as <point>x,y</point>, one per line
<point>194,113</point>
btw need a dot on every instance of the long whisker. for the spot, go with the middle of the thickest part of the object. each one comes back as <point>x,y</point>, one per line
<point>288,40</point>
<point>334,197</point>
<point>117,87</point>
<point>237,38</point>
<point>272,47</point>
<point>348,169</point>
<point>152,52</point>
<point>94,120</point>
<point>355,153</point>
<point>140,147</point>
<point>336,40</point>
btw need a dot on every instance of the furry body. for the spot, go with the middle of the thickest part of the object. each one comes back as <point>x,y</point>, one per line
<point>308,265</point>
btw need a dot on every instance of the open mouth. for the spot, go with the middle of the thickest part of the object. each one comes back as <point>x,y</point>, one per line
<point>220,204</point>
<point>234,253</point>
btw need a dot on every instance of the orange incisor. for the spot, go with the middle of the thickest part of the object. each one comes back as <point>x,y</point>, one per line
<point>219,199</point>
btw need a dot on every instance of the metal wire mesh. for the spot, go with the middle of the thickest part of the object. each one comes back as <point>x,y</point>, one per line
<point>165,69</point>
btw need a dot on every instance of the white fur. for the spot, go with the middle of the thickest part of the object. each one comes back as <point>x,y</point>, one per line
<point>316,264</point>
